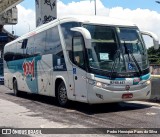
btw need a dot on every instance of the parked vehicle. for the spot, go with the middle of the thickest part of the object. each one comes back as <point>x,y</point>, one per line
<point>81,58</point>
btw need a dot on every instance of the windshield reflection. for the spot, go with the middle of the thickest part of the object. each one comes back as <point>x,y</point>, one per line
<point>107,40</point>
<point>133,46</point>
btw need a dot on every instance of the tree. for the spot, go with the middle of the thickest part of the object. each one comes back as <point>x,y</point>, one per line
<point>154,55</point>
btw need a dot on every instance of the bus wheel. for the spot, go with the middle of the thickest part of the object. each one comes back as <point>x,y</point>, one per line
<point>15,88</point>
<point>62,95</point>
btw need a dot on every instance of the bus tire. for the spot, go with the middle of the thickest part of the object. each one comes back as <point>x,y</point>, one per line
<point>15,88</point>
<point>62,98</point>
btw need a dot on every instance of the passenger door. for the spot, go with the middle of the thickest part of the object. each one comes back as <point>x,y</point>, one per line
<point>79,69</point>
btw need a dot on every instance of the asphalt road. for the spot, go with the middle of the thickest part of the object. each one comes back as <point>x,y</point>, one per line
<point>35,111</point>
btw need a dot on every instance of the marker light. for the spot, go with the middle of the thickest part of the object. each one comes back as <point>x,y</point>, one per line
<point>104,86</point>
<point>92,82</point>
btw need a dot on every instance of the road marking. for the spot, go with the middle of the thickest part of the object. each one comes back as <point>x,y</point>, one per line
<point>70,111</point>
<point>155,107</point>
<point>151,114</point>
<point>144,103</point>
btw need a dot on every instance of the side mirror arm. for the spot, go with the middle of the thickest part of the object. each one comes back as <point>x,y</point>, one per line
<point>86,35</point>
<point>154,37</point>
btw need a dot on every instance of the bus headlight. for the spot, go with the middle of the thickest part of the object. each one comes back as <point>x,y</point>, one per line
<point>99,84</point>
<point>95,83</point>
<point>148,82</point>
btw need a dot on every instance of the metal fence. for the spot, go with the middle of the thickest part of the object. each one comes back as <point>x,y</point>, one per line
<point>155,69</point>
<point>155,90</point>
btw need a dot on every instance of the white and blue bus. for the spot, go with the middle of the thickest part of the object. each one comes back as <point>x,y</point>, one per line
<point>81,58</point>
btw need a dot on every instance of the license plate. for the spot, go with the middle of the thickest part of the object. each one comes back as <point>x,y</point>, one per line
<point>126,96</point>
<point>117,82</point>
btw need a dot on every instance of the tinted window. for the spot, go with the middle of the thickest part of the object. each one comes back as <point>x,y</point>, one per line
<point>10,53</point>
<point>24,43</point>
<point>13,51</point>
<point>40,41</point>
<point>20,51</point>
<point>78,51</point>
<point>53,44</point>
<point>7,56</point>
<point>68,34</point>
<point>30,50</point>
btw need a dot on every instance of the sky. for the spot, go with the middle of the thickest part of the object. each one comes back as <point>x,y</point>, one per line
<point>131,4</point>
<point>144,13</point>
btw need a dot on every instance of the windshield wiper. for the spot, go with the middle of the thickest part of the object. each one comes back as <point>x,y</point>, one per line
<point>139,69</point>
<point>133,57</point>
<point>114,64</point>
<point>127,51</point>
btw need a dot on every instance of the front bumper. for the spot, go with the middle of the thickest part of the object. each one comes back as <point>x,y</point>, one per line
<point>100,95</point>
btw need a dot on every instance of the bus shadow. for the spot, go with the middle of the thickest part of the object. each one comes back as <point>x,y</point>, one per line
<point>35,97</point>
<point>83,107</point>
<point>108,107</point>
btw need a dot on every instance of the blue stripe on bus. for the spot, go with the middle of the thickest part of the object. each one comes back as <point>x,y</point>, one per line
<point>145,77</point>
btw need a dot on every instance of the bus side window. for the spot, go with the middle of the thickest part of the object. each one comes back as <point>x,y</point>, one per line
<point>13,52</point>
<point>40,42</point>
<point>53,43</point>
<point>7,54</point>
<point>68,34</point>
<point>30,49</point>
<point>24,43</point>
<point>19,53</point>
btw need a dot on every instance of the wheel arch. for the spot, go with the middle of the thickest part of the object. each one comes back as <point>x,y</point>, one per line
<point>58,80</point>
<point>13,79</point>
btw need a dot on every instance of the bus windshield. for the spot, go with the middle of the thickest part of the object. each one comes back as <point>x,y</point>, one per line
<point>112,47</point>
<point>132,43</point>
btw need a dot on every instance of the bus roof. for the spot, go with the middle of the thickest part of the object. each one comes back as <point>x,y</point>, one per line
<point>101,20</point>
<point>97,20</point>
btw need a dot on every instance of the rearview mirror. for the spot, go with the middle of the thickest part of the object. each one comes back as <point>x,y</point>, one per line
<point>154,37</point>
<point>86,35</point>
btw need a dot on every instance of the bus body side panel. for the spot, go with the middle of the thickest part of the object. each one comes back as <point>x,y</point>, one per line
<point>45,75</point>
<point>24,72</point>
<point>25,78</point>
<point>49,69</point>
<point>8,79</point>
<point>11,71</point>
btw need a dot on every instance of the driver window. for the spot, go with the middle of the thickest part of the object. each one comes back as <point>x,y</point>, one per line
<point>78,51</point>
